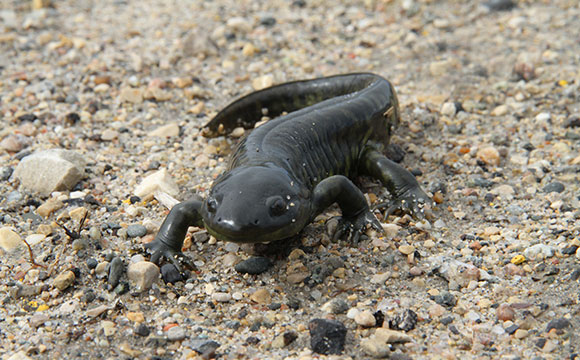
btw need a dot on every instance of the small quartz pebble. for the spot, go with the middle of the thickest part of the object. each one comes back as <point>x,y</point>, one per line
<point>335,306</point>
<point>448,109</point>
<point>143,274</point>
<point>176,333</point>
<point>263,82</point>
<point>169,130</point>
<point>505,312</point>
<point>406,249</point>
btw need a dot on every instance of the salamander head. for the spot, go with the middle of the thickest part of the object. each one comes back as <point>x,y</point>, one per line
<point>256,204</point>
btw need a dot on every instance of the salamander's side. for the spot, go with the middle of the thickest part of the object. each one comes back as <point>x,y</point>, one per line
<point>342,114</point>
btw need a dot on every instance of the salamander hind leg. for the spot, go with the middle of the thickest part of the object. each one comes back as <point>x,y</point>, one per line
<point>356,214</point>
<point>169,240</point>
<point>406,191</point>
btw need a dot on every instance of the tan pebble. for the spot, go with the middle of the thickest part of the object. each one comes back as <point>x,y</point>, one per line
<point>77,214</point>
<point>380,278</point>
<point>339,273</point>
<point>50,206</point>
<point>512,269</point>
<point>197,108</point>
<point>168,130</point>
<point>406,249</point>
<point>249,49</point>
<point>489,155</point>
<point>9,239</point>
<point>491,230</point>
<point>201,161</point>
<point>108,327</point>
<point>263,82</point>
<point>238,132</point>
<point>365,319</point>
<point>392,336</point>
<point>131,95</point>
<point>433,292</point>
<point>64,280</point>
<point>500,110</point>
<point>297,278</point>
<point>448,109</point>
<point>182,82</point>
<point>505,312</point>
<point>520,334</point>
<point>102,79</point>
<point>261,296</point>
<point>96,311</point>
<point>416,271</point>
<point>484,303</point>
<point>101,88</point>
<point>438,197</point>
<point>375,348</point>
<point>429,244</point>
<point>137,317</point>
<point>436,310</point>
<point>11,143</point>
<point>109,135</point>
<point>390,230</point>
<point>296,254</point>
<point>158,181</point>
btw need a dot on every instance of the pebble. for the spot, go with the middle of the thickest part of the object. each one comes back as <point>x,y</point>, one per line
<point>131,95</point>
<point>136,230</point>
<point>263,82</point>
<point>505,312</point>
<point>406,249</point>
<point>448,109</point>
<point>64,280</point>
<point>239,24</point>
<point>49,207</point>
<point>9,239</point>
<point>169,130</point>
<point>554,187</point>
<point>20,355</point>
<point>406,320</point>
<point>284,339</point>
<point>221,297</point>
<point>116,271</point>
<point>158,181</point>
<point>143,274</point>
<point>5,173</point>
<point>12,143</point>
<point>261,296</point>
<point>521,334</point>
<point>108,327</point>
<point>205,347</point>
<point>335,306</point>
<point>176,333</point>
<point>96,311</point>
<point>170,274</point>
<point>142,330</point>
<point>365,318</point>
<point>500,110</point>
<point>558,324</point>
<point>50,170</point>
<point>375,347</point>
<point>542,250</point>
<point>327,337</point>
<point>254,265</point>
<point>489,155</point>
<point>109,135</point>
<point>392,337</point>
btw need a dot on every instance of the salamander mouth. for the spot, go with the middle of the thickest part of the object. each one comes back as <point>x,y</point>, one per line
<point>254,234</point>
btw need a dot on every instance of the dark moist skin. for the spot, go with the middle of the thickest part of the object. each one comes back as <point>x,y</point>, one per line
<point>290,169</point>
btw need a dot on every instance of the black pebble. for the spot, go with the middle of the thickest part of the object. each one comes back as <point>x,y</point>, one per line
<point>204,346</point>
<point>116,271</point>
<point>289,337</point>
<point>446,320</point>
<point>134,199</point>
<point>327,336</point>
<point>170,274</point>
<point>554,187</point>
<point>92,263</point>
<point>268,21</point>
<point>572,122</point>
<point>254,265</point>
<point>558,324</point>
<point>71,118</point>
<point>500,5</point>
<point>405,321</point>
<point>142,330</point>
<point>27,117</point>
<point>445,299</point>
<point>575,275</point>
<point>540,343</point>
<point>511,329</point>
<point>5,173</point>
<point>252,340</point>
<point>570,250</point>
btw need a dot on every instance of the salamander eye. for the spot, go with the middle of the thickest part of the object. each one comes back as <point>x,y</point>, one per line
<point>277,205</point>
<point>211,205</point>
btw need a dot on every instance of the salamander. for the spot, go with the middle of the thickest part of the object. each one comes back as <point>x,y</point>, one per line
<point>323,133</point>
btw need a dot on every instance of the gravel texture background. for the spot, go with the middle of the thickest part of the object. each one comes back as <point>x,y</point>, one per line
<point>491,126</point>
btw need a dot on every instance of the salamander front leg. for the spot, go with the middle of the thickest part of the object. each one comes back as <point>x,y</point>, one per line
<point>355,210</point>
<point>169,239</point>
<point>406,191</point>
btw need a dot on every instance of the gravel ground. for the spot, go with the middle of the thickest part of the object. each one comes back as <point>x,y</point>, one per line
<point>491,127</point>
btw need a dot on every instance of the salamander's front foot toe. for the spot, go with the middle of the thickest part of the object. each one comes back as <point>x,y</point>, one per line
<point>413,201</point>
<point>160,249</point>
<point>352,228</point>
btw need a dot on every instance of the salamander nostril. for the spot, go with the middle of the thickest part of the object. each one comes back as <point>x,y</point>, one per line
<point>256,222</point>
<point>219,219</point>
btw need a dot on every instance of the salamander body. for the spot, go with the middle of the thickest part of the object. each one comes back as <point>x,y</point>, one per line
<point>290,169</point>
